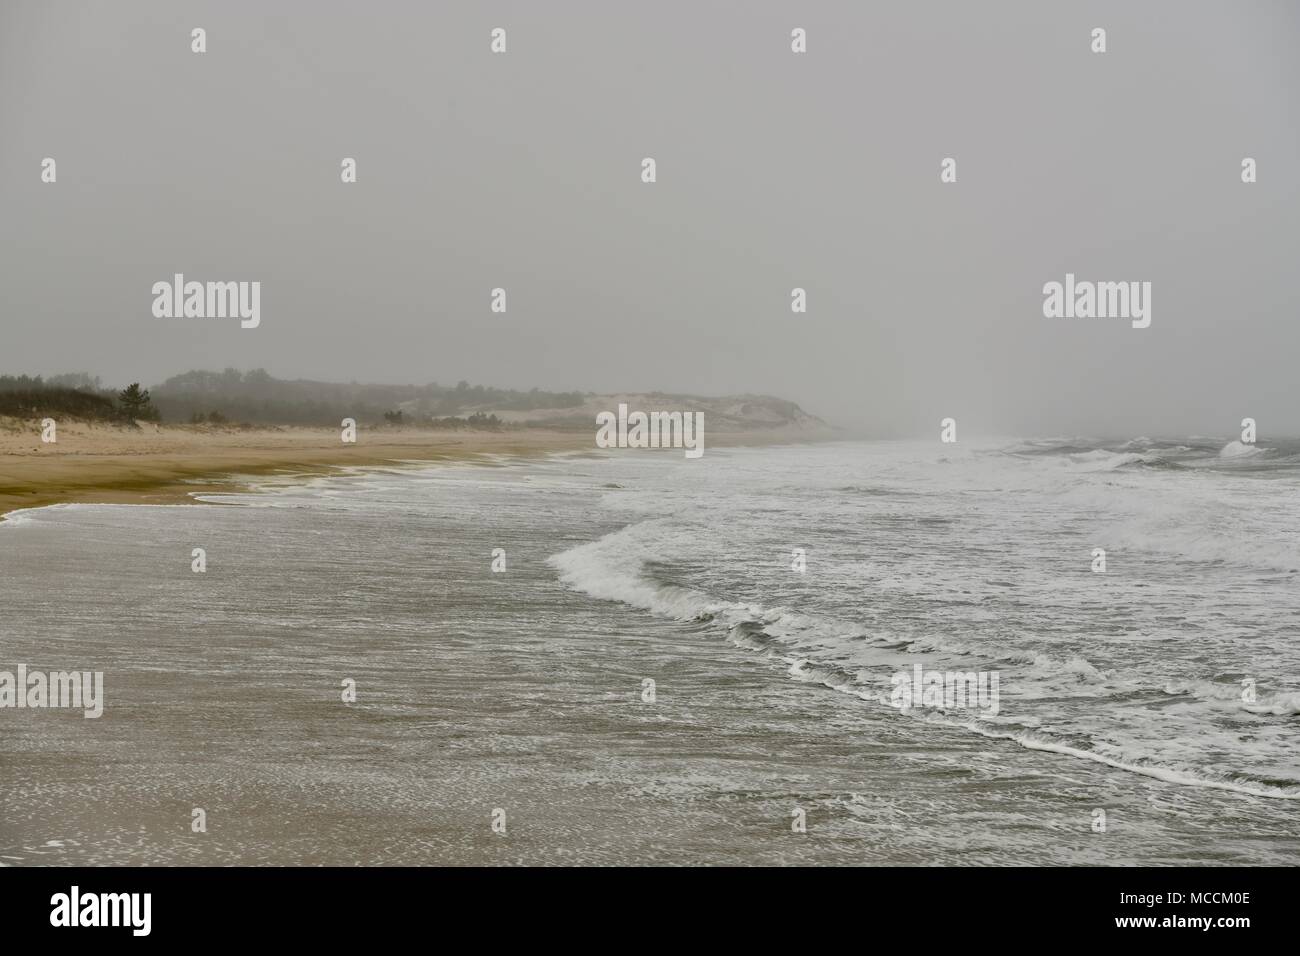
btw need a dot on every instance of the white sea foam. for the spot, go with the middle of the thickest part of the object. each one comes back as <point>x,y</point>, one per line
<point>921,570</point>
<point>1236,449</point>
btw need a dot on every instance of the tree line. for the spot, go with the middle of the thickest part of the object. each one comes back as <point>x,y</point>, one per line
<point>255,397</point>
<point>73,396</point>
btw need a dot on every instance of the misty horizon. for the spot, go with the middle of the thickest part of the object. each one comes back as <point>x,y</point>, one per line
<point>847,431</point>
<point>822,172</point>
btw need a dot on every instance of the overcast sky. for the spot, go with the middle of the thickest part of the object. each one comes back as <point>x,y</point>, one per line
<point>775,170</point>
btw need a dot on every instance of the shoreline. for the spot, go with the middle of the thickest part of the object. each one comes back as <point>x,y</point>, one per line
<point>169,464</point>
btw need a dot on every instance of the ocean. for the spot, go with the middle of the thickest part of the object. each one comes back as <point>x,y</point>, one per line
<point>675,662</point>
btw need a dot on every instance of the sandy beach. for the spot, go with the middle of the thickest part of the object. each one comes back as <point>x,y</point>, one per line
<point>167,464</point>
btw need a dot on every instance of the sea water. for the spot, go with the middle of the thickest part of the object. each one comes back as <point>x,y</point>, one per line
<point>768,598</point>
